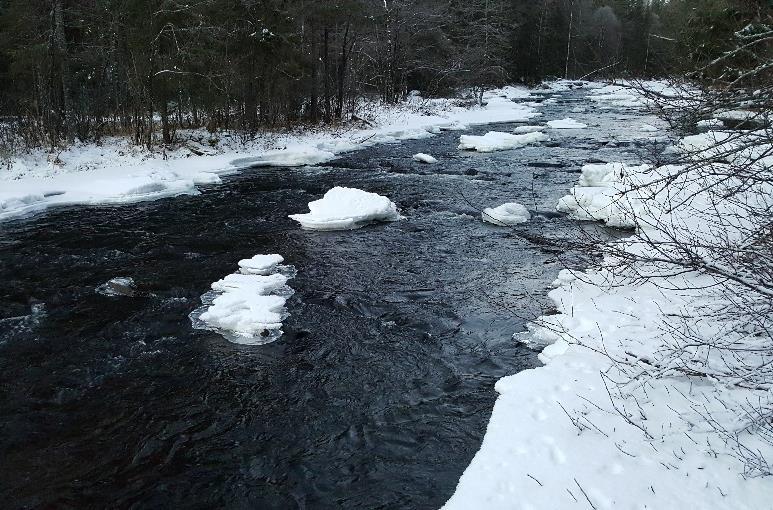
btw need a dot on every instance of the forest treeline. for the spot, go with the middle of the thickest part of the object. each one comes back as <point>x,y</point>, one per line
<point>82,69</point>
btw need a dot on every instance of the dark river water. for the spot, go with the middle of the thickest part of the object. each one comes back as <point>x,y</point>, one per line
<point>378,394</point>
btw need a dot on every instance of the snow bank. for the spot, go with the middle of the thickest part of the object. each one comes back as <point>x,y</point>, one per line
<point>347,209</point>
<point>424,158</point>
<point>555,441</point>
<point>497,141</point>
<point>248,307</point>
<point>511,213</point>
<point>567,123</point>
<point>116,172</point>
<point>625,94</point>
<point>603,194</point>
<point>298,155</point>
<point>566,436</point>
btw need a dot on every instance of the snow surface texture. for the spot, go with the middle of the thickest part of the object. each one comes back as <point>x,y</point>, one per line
<point>347,209</point>
<point>565,436</point>
<point>248,307</point>
<point>117,172</point>
<point>424,158</point>
<point>497,141</point>
<point>511,213</point>
<point>567,123</point>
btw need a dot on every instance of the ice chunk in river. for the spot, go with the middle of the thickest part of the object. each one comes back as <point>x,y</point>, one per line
<point>567,123</point>
<point>119,286</point>
<point>511,213</point>
<point>261,264</point>
<point>424,158</point>
<point>247,307</point>
<point>497,141</point>
<point>347,209</point>
<point>527,129</point>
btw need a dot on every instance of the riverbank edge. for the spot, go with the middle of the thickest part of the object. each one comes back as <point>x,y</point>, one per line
<point>117,172</point>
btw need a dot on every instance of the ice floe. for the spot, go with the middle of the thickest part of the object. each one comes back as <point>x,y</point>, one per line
<point>260,264</point>
<point>511,213</point>
<point>528,129</point>
<point>248,307</point>
<point>347,209</point>
<point>424,158</point>
<point>567,123</point>
<point>498,141</point>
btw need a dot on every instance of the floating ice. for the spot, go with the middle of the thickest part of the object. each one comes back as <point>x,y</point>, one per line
<point>648,128</point>
<point>567,123</point>
<point>710,124</point>
<point>511,213</point>
<point>260,264</point>
<point>497,141</point>
<point>119,286</point>
<point>424,158</point>
<point>347,209</point>
<point>247,308</point>
<point>527,129</point>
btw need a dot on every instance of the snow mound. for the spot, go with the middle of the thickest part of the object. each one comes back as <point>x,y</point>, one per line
<point>260,264</point>
<point>567,123</point>
<point>527,129</point>
<point>604,194</point>
<point>347,209</point>
<point>247,308</point>
<point>424,158</point>
<point>498,141</point>
<point>648,128</point>
<point>511,213</point>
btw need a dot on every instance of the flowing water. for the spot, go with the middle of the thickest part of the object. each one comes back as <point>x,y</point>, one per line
<point>378,394</point>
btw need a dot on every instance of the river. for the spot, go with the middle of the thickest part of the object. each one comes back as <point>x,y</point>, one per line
<point>378,394</point>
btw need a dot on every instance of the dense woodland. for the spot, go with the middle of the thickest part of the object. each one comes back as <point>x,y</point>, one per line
<point>83,69</point>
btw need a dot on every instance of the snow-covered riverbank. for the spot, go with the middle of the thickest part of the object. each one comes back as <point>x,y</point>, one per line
<point>117,172</point>
<point>650,396</point>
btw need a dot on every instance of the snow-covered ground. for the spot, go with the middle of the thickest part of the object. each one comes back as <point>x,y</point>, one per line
<point>116,172</point>
<point>626,412</point>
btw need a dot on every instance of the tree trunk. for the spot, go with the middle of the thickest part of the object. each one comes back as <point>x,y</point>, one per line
<point>61,61</point>
<point>326,78</point>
